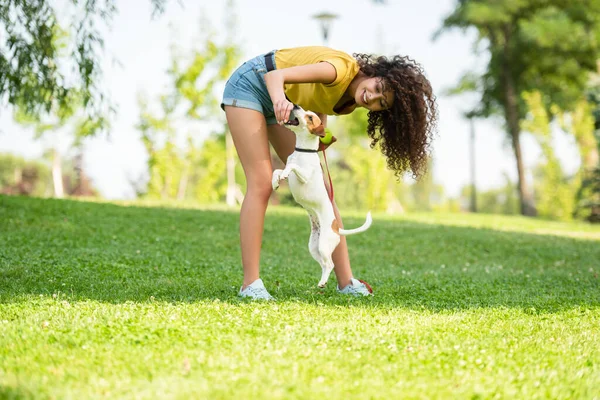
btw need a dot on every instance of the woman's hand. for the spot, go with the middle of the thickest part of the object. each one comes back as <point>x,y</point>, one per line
<point>281,105</point>
<point>282,109</point>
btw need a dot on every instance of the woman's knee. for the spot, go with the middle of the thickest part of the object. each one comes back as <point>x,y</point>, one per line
<point>260,189</point>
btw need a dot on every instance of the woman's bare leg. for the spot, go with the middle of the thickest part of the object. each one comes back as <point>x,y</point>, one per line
<point>284,141</point>
<point>249,132</point>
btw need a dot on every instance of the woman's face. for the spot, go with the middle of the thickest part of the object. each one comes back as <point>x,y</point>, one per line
<point>372,94</point>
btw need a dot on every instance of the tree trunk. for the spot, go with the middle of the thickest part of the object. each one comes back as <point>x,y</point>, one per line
<point>589,166</point>
<point>525,197</point>
<point>511,112</point>
<point>183,182</point>
<point>164,194</point>
<point>18,176</point>
<point>588,148</point>
<point>57,174</point>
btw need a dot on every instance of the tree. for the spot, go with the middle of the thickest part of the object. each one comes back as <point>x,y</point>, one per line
<point>158,136</point>
<point>195,79</point>
<point>586,128</point>
<point>212,185</point>
<point>206,171</point>
<point>362,179</point>
<point>361,175</point>
<point>502,200</point>
<point>545,45</point>
<point>32,56</point>
<point>425,192</point>
<point>64,123</point>
<point>23,177</point>
<point>555,194</point>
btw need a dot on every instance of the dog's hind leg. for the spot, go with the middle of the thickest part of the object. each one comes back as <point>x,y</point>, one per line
<point>313,241</point>
<point>328,241</point>
<point>326,267</point>
<point>315,248</point>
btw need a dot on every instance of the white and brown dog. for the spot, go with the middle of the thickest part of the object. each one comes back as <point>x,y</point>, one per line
<point>305,177</point>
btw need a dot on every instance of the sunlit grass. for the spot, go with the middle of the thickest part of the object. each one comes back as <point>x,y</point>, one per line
<point>114,301</point>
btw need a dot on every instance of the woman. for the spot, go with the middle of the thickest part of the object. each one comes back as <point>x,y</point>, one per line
<point>259,97</point>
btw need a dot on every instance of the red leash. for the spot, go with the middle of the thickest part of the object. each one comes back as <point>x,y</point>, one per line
<point>329,176</point>
<point>323,147</point>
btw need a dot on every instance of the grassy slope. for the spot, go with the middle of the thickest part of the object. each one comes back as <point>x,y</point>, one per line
<point>101,300</point>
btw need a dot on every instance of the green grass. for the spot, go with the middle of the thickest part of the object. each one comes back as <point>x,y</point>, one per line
<point>101,300</point>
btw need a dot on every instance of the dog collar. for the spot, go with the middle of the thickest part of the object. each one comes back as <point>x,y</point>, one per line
<point>306,150</point>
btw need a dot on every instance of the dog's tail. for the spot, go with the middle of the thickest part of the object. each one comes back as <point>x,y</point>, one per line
<point>364,227</point>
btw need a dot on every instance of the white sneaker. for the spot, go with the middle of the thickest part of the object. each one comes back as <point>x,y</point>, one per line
<point>256,291</point>
<point>356,288</point>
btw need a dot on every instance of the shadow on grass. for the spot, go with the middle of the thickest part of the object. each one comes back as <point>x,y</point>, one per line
<point>115,254</point>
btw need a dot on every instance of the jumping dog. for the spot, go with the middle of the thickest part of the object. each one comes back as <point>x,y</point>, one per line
<point>305,176</point>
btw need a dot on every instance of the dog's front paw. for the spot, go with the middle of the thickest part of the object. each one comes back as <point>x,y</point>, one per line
<point>285,174</point>
<point>276,178</point>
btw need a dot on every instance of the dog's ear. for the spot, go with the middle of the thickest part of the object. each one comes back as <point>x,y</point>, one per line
<point>319,130</point>
<point>314,124</point>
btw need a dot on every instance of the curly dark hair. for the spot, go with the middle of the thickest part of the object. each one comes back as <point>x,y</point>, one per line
<point>405,131</point>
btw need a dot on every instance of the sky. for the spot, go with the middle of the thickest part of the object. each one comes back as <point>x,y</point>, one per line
<point>137,56</point>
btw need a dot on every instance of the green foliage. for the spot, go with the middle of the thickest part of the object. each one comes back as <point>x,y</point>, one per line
<point>588,196</point>
<point>19,176</point>
<point>361,178</point>
<point>502,200</point>
<point>212,183</point>
<point>35,49</point>
<point>555,195</point>
<point>65,118</point>
<point>191,170</point>
<point>581,125</point>
<point>363,181</point>
<point>425,192</point>
<point>549,46</point>
<point>140,302</point>
<point>369,176</point>
<point>353,125</point>
<point>23,177</point>
<point>69,112</point>
<point>533,45</point>
<point>164,159</point>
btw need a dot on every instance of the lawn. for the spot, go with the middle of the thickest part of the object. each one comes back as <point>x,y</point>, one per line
<point>102,300</point>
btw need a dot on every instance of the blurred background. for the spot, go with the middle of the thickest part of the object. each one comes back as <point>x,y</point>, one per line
<point>119,99</point>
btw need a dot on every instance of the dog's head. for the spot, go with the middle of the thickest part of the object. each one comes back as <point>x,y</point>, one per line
<point>305,121</point>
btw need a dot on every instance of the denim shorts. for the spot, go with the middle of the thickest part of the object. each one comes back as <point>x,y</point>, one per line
<point>246,88</point>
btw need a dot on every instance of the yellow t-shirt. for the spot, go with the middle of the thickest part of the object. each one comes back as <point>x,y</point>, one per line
<point>317,97</point>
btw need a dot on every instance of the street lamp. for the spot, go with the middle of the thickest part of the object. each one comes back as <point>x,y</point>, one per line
<point>471,116</point>
<point>325,19</point>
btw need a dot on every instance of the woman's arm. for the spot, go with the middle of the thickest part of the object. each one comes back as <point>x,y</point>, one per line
<point>323,118</point>
<point>322,72</point>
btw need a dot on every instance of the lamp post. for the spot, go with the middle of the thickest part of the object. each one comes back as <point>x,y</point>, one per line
<point>471,116</point>
<point>325,19</point>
